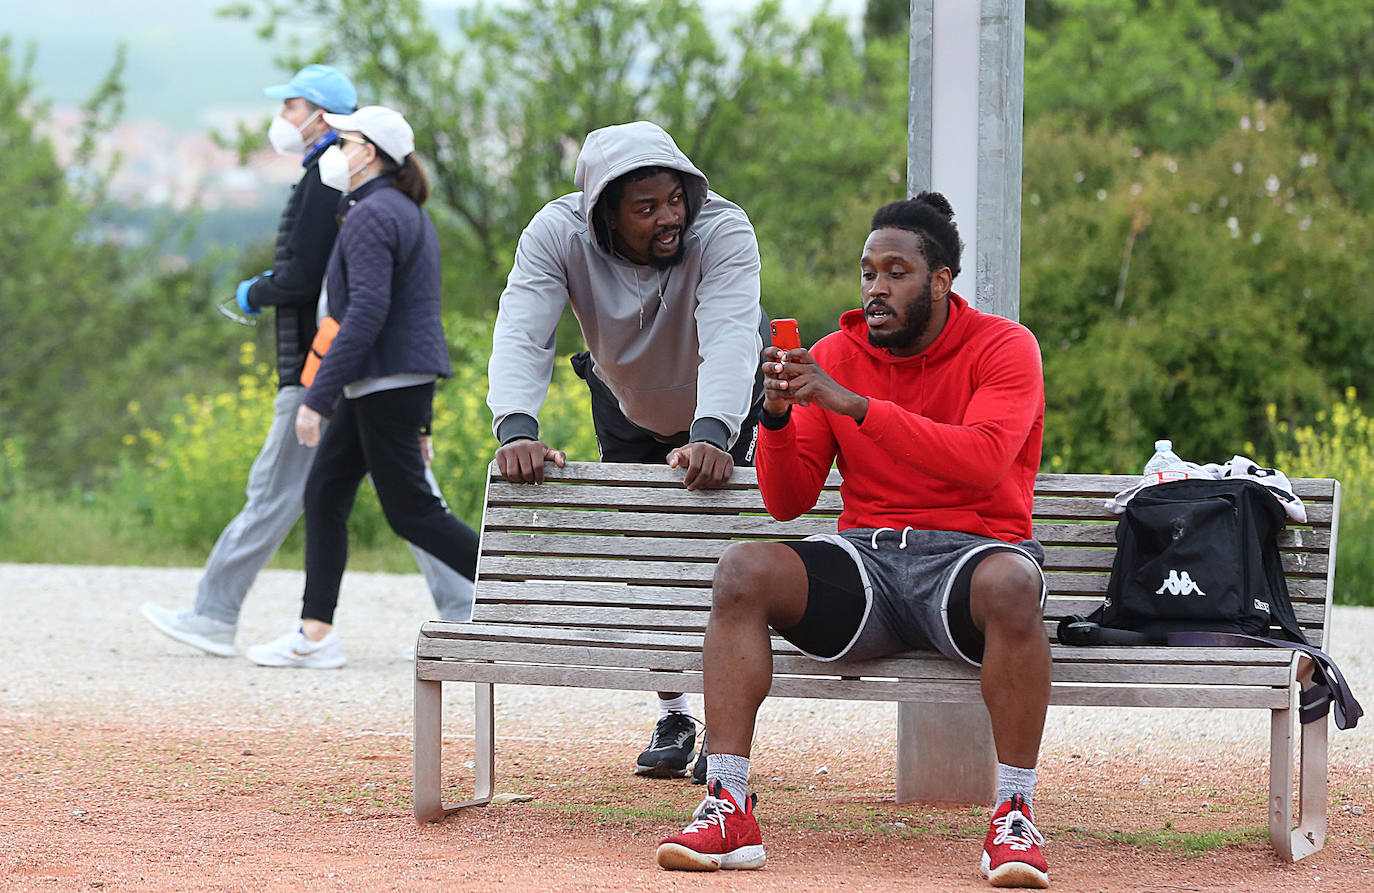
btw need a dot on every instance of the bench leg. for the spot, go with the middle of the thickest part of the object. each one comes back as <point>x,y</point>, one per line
<point>427,794</point>
<point>945,753</point>
<point>1310,835</point>
<point>484,760</point>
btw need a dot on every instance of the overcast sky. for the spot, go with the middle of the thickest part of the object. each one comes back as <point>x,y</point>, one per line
<point>191,68</point>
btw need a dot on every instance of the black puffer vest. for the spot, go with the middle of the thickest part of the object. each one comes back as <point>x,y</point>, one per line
<point>305,236</point>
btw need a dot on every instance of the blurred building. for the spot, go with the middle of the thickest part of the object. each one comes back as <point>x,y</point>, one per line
<point>159,167</point>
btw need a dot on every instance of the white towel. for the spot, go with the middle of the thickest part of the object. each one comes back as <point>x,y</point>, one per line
<point>1238,468</point>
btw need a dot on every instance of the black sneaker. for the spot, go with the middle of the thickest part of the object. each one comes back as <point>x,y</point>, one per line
<point>699,768</point>
<point>670,748</point>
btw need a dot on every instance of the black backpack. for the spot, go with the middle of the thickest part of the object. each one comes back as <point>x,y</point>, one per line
<point>1199,555</point>
<point>1197,563</point>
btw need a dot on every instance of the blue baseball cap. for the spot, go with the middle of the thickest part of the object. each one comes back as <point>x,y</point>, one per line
<point>328,88</point>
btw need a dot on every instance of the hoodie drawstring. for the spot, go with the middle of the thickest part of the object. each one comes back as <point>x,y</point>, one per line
<point>873,542</point>
<point>639,291</point>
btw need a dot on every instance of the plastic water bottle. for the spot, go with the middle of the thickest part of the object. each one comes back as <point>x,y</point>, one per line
<point>1165,465</point>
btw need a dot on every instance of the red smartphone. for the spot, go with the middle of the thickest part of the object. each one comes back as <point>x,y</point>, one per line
<point>785,334</point>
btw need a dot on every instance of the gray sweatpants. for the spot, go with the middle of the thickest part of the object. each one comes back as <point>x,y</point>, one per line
<point>276,500</point>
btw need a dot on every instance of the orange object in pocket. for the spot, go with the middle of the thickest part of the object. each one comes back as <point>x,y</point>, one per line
<point>329,327</point>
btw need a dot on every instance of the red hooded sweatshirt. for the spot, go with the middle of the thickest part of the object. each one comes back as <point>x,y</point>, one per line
<point>951,440</point>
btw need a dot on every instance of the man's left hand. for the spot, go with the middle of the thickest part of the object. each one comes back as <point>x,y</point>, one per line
<point>308,426</point>
<point>708,467</point>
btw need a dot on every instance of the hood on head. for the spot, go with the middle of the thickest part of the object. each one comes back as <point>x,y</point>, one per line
<point>616,150</point>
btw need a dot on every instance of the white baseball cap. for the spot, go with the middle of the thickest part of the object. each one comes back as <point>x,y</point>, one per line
<point>384,128</point>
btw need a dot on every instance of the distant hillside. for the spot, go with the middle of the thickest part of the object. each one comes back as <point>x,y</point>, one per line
<point>178,64</point>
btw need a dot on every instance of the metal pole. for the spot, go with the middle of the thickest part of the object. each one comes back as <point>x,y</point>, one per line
<point>964,140</point>
<point>964,134</point>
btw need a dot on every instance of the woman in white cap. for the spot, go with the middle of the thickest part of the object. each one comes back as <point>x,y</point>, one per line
<point>376,379</point>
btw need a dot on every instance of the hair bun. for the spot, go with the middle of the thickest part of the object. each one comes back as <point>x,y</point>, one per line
<point>938,202</point>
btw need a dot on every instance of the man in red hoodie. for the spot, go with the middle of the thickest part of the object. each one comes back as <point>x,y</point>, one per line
<point>933,413</point>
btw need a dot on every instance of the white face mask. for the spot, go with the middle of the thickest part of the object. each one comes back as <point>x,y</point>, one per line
<point>286,137</point>
<point>335,168</point>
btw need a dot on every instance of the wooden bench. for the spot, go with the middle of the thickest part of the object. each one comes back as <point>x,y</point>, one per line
<point>600,578</point>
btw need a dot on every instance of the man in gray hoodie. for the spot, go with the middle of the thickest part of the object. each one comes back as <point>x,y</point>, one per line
<point>663,276</point>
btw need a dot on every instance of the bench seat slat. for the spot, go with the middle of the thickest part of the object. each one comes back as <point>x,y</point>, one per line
<point>921,691</point>
<point>434,632</point>
<point>691,641</point>
<point>929,666</point>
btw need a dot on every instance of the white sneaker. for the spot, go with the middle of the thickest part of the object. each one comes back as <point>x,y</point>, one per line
<point>295,650</point>
<point>189,628</point>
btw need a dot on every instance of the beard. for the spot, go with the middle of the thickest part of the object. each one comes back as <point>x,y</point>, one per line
<point>914,323</point>
<point>663,263</point>
<point>672,260</point>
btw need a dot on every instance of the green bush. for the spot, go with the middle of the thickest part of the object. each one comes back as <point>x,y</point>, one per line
<point>1340,445</point>
<point>1175,296</point>
<point>184,479</point>
<point>12,479</point>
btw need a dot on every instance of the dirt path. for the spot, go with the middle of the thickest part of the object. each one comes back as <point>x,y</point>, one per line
<point>113,806</point>
<point>130,763</point>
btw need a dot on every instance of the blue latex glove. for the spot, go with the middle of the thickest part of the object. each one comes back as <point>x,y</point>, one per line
<point>241,294</point>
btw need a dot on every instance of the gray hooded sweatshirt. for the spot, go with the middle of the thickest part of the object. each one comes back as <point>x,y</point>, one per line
<point>678,347</point>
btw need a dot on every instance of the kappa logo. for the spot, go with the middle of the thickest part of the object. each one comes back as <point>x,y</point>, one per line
<point>1179,583</point>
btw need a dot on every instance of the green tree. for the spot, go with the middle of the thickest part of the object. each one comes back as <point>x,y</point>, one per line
<point>1178,295</point>
<point>886,18</point>
<point>88,326</point>
<point>1150,72</point>
<point>1315,57</point>
<point>1161,71</point>
<point>782,117</point>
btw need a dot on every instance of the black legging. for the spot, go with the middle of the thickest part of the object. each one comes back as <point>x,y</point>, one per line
<point>378,434</point>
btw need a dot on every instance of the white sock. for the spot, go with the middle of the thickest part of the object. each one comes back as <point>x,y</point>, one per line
<point>732,771</point>
<point>1013,780</point>
<point>674,705</point>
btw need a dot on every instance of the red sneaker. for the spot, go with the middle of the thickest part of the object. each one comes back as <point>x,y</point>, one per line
<point>1011,852</point>
<point>722,834</point>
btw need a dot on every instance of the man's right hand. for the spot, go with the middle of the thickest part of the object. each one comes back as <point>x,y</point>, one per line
<point>522,461</point>
<point>797,379</point>
<point>777,397</point>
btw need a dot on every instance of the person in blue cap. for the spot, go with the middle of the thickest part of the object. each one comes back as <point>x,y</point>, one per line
<point>276,482</point>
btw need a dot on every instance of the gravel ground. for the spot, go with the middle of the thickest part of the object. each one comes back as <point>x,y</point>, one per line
<point>135,763</point>
<point>76,646</point>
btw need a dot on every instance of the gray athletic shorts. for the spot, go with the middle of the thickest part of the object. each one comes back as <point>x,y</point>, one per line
<point>908,579</point>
